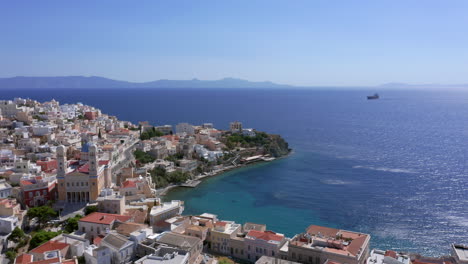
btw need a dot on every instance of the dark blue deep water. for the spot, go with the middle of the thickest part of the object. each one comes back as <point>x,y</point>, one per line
<point>395,168</point>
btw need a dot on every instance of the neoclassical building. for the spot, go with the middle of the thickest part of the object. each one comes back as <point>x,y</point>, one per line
<point>82,181</point>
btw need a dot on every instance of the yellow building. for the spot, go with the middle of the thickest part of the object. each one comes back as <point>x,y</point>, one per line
<point>82,181</point>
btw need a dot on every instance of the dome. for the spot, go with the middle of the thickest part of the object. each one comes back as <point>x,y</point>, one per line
<point>85,147</point>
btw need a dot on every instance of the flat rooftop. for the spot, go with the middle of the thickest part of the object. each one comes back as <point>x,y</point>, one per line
<point>461,251</point>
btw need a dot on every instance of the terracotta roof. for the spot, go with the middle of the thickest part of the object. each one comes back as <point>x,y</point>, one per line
<point>326,231</point>
<point>69,261</point>
<point>221,223</point>
<point>391,253</point>
<point>128,184</point>
<point>103,218</point>
<point>47,261</point>
<point>356,244</point>
<point>97,240</point>
<point>85,168</point>
<point>127,228</point>
<point>331,262</point>
<point>26,183</point>
<point>49,246</point>
<point>24,259</point>
<point>139,216</point>
<point>265,235</point>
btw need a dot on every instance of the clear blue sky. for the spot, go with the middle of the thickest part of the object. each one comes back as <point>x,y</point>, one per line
<point>295,42</point>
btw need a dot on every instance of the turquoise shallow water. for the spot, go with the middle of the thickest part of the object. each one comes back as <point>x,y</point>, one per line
<point>395,168</point>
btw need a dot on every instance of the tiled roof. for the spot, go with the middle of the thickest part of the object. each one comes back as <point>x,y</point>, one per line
<point>265,235</point>
<point>85,168</point>
<point>103,218</point>
<point>26,183</point>
<point>128,184</point>
<point>47,261</point>
<point>49,246</point>
<point>221,223</point>
<point>391,253</point>
<point>97,240</point>
<point>325,231</point>
<point>24,259</point>
<point>127,228</point>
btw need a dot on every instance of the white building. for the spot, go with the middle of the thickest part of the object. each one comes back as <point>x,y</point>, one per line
<point>165,211</point>
<point>8,223</point>
<point>186,128</point>
<point>97,255</point>
<point>9,108</point>
<point>460,253</point>
<point>263,243</point>
<point>165,255</point>
<point>5,189</point>
<point>378,256</point>
<point>122,249</point>
<point>249,132</point>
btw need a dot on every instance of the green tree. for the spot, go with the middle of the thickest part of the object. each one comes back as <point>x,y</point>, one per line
<point>16,235</point>
<point>11,255</point>
<point>43,213</point>
<point>90,209</point>
<point>41,237</point>
<point>143,157</point>
<point>72,224</point>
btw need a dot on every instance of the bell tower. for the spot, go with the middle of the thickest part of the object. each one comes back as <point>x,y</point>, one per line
<point>61,172</point>
<point>93,160</point>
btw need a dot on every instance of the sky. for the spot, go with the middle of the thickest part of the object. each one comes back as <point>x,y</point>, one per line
<point>308,43</point>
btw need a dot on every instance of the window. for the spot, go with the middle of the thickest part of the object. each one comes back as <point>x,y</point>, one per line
<point>68,184</point>
<point>272,253</point>
<point>83,229</point>
<point>294,255</point>
<point>30,195</point>
<point>248,247</point>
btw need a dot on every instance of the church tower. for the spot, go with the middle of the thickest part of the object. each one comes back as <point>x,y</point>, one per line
<point>61,172</point>
<point>93,161</point>
<point>95,179</point>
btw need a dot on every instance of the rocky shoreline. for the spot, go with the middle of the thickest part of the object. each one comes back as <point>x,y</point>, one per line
<point>164,191</point>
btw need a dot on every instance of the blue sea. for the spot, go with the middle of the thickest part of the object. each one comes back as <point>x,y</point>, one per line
<point>395,168</point>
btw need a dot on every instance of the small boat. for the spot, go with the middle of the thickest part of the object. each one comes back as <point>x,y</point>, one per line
<point>372,97</point>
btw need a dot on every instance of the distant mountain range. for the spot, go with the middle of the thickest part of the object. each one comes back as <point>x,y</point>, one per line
<point>101,82</point>
<point>21,82</point>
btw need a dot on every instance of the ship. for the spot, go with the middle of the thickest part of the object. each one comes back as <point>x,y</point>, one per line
<point>371,97</point>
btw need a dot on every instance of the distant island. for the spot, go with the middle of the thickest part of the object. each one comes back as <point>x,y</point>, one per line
<point>22,82</point>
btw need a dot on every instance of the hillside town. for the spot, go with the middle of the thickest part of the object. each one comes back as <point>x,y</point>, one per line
<point>81,186</point>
